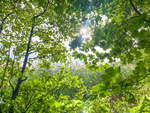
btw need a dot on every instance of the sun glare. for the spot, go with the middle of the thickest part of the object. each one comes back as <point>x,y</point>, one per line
<point>85,32</point>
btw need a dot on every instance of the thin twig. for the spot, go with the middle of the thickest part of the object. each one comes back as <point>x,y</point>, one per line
<point>134,8</point>
<point>28,104</point>
<point>3,21</point>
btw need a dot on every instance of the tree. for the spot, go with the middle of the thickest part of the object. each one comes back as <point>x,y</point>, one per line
<point>32,35</point>
<point>32,30</point>
<point>124,36</point>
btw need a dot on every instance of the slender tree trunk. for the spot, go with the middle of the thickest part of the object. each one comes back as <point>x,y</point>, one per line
<point>20,80</point>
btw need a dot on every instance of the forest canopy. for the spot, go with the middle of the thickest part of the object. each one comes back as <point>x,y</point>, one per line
<point>74,56</point>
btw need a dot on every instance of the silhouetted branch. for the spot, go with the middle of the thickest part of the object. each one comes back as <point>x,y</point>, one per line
<point>134,8</point>
<point>30,37</point>
<point>3,21</point>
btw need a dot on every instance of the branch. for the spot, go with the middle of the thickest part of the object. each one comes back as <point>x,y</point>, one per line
<point>12,66</point>
<point>27,50</point>
<point>138,81</point>
<point>42,42</point>
<point>3,21</point>
<point>6,35</point>
<point>28,104</point>
<point>42,12</point>
<point>134,8</point>
<point>15,91</point>
<point>11,72</point>
<point>11,85</point>
<point>20,80</point>
<point>5,68</point>
<point>30,37</point>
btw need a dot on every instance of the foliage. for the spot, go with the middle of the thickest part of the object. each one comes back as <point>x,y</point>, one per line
<point>32,36</point>
<point>123,36</point>
<point>32,32</point>
<point>45,93</point>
